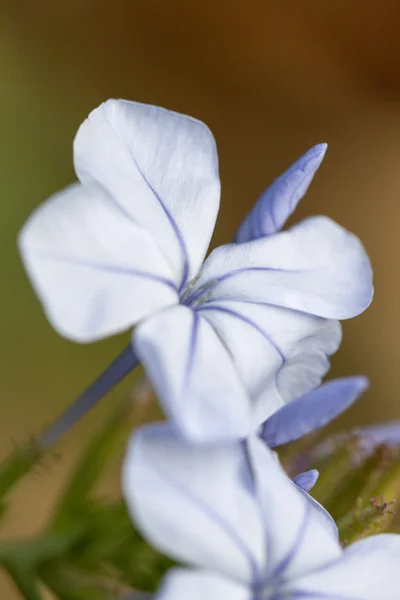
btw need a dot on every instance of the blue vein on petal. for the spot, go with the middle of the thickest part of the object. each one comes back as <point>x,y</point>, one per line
<point>286,560</point>
<point>197,293</point>
<point>177,232</point>
<point>192,352</point>
<point>111,269</point>
<point>214,516</point>
<point>210,285</point>
<point>248,269</point>
<point>248,321</point>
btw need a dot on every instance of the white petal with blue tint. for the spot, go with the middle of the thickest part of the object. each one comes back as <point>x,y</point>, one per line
<point>312,411</point>
<point>94,269</point>
<point>181,584</point>
<point>195,503</point>
<point>278,353</point>
<point>369,570</point>
<point>315,267</point>
<point>300,535</point>
<point>308,361</point>
<point>320,515</point>
<point>244,329</point>
<point>278,202</point>
<point>162,169</point>
<point>193,375</point>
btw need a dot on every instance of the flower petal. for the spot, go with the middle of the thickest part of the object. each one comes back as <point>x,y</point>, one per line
<point>95,271</point>
<point>306,480</point>
<point>312,410</point>
<point>278,353</point>
<point>193,375</point>
<point>369,570</point>
<point>279,201</point>
<point>181,584</point>
<point>194,503</point>
<point>315,267</point>
<point>162,169</point>
<point>300,534</point>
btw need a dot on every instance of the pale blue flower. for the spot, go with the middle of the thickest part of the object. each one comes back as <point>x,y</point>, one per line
<point>226,342</point>
<point>249,533</point>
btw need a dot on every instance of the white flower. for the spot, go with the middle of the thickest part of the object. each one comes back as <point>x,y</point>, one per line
<point>251,534</point>
<point>225,343</point>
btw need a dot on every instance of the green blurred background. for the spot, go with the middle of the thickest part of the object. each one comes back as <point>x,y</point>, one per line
<point>271,78</point>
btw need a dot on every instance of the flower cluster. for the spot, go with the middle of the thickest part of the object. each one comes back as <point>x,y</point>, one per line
<point>235,345</point>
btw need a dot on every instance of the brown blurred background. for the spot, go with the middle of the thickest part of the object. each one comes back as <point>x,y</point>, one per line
<point>271,78</point>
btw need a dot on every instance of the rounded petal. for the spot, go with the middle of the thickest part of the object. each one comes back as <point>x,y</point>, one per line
<point>180,584</point>
<point>95,271</point>
<point>312,410</point>
<point>300,535</point>
<point>278,353</point>
<point>162,169</point>
<point>369,570</point>
<point>193,375</point>
<point>278,202</point>
<point>194,503</point>
<point>315,267</point>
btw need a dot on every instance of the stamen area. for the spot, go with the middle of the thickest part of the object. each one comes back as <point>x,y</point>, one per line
<point>196,296</point>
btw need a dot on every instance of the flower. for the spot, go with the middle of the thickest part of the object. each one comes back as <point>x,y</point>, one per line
<point>225,343</point>
<point>251,534</point>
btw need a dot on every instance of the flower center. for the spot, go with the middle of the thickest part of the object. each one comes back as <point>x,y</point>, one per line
<point>192,296</point>
<point>271,591</point>
<point>271,594</point>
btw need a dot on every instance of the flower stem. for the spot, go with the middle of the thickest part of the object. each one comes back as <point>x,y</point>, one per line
<point>113,374</point>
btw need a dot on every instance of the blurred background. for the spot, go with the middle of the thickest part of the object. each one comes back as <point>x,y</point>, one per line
<point>271,78</point>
